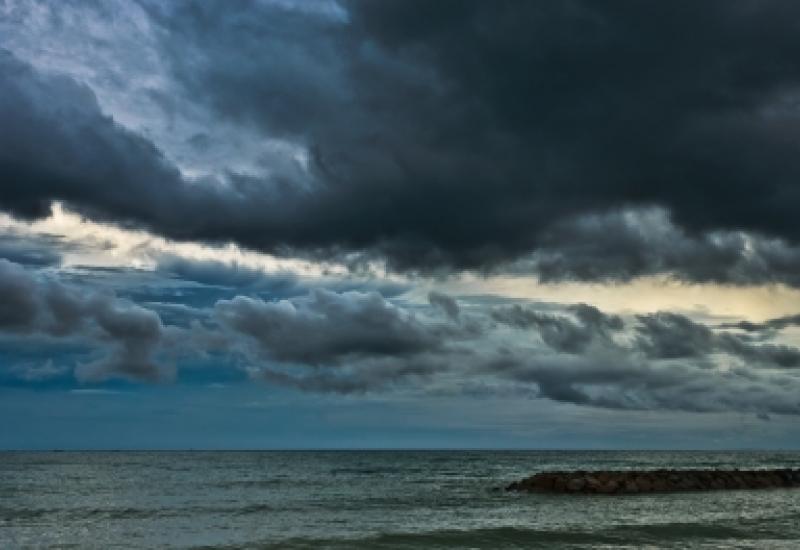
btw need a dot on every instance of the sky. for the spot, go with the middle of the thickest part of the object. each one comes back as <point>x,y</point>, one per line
<point>399,224</point>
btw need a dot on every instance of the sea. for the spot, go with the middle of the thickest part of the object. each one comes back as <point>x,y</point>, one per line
<point>374,500</point>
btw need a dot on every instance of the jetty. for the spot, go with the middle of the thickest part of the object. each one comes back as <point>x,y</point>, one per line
<point>655,481</point>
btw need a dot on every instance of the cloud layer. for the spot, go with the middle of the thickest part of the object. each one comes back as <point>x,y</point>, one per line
<point>362,342</point>
<point>474,139</point>
<point>383,154</point>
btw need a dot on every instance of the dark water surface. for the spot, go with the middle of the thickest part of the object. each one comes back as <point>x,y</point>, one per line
<point>377,499</point>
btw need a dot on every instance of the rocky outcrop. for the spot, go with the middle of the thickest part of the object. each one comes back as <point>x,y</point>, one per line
<point>655,481</point>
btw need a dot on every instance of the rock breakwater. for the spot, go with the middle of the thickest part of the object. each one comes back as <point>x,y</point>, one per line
<point>655,481</point>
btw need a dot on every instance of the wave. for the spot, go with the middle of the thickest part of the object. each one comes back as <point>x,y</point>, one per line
<point>253,483</point>
<point>633,536</point>
<point>129,512</point>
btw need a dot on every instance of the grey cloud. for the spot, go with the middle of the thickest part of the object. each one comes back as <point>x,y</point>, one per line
<point>33,305</point>
<point>327,327</point>
<point>138,332</point>
<point>584,331</point>
<point>560,332</point>
<point>775,324</point>
<point>663,336</point>
<point>618,382</point>
<point>768,354</point>
<point>357,342</point>
<point>33,250</point>
<point>668,362</point>
<point>283,283</point>
<point>667,335</point>
<point>18,307</point>
<point>444,302</point>
<point>226,274</point>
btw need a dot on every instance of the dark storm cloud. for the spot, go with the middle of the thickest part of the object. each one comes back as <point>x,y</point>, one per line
<point>62,147</point>
<point>512,114</point>
<point>623,245</point>
<point>32,306</point>
<point>58,145</point>
<point>454,134</point>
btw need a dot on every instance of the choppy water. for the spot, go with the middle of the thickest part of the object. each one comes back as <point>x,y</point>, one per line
<point>373,500</point>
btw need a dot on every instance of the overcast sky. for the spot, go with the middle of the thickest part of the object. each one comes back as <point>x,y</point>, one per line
<point>313,224</point>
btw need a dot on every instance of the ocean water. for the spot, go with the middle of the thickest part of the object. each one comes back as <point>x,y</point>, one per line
<point>381,499</point>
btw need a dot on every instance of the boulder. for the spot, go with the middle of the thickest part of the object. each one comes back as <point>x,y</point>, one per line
<point>630,486</point>
<point>576,484</point>
<point>644,484</point>
<point>610,486</point>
